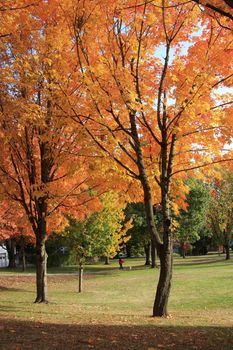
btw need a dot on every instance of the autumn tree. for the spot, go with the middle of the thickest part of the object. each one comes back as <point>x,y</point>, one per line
<point>13,232</point>
<point>221,211</point>
<point>140,241</point>
<point>144,81</point>
<point>140,238</point>
<point>102,233</point>
<point>155,107</point>
<point>193,220</point>
<point>43,168</point>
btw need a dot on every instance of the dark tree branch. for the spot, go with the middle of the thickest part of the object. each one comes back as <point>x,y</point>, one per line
<point>201,166</point>
<point>11,8</point>
<point>222,105</point>
<point>217,9</point>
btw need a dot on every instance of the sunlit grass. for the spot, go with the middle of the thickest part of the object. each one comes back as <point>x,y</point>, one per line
<point>200,295</point>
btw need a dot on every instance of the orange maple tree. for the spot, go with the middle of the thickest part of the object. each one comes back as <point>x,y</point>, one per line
<point>157,107</point>
<point>14,231</point>
<point>147,82</point>
<point>43,164</point>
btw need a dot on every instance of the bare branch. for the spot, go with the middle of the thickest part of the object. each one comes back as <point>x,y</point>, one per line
<point>222,80</point>
<point>151,2</point>
<point>66,196</point>
<point>222,105</point>
<point>11,8</point>
<point>201,166</point>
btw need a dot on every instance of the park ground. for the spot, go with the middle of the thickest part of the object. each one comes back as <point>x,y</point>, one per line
<point>114,310</point>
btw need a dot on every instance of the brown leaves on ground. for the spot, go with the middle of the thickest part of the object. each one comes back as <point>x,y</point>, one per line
<point>19,282</point>
<point>22,335</point>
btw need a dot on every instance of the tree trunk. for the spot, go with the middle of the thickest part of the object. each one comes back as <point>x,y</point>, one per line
<point>166,262</point>
<point>41,270</point>
<point>153,255</point>
<point>22,253</point>
<point>164,246</point>
<point>165,253</point>
<point>128,250</point>
<point>147,253</point>
<point>227,251</point>
<point>226,243</point>
<point>23,259</point>
<point>166,250</point>
<point>80,279</point>
<point>106,260</point>
<point>11,250</point>
<point>164,284</point>
<point>163,288</point>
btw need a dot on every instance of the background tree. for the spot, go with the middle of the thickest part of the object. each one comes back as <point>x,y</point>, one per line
<point>101,234</point>
<point>140,242</point>
<point>140,237</point>
<point>192,221</point>
<point>13,234</point>
<point>221,210</point>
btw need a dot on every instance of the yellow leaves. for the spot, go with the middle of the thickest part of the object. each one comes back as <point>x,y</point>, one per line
<point>175,208</point>
<point>47,61</point>
<point>152,17</point>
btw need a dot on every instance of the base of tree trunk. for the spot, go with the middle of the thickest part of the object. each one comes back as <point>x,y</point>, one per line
<point>164,285</point>
<point>40,301</point>
<point>154,266</point>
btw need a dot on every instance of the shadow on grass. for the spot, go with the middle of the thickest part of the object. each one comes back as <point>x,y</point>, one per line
<point>34,335</point>
<point>10,289</point>
<point>191,262</point>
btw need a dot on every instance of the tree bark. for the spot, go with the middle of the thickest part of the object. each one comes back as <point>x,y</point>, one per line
<point>147,253</point>
<point>164,284</point>
<point>23,261</point>
<point>165,253</point>
<point>218,9</point>
<point>42,210</point>
<point>164,247</point>
<point>166,250</point>
<point>80,279</point>
<point>128,250</point>
<point>11,250</point>
<point>22,253</point>
<point>41,264</point>
<point>23,257</point>
<point>153,254</point>
<point>106,260</point>
<point>226,243</point>
<point>227,251</point>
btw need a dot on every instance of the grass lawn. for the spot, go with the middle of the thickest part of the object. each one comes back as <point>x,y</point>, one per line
<point>114,310</point>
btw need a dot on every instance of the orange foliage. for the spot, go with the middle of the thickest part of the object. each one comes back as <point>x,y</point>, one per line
<point>43,164</point>
<point>73,71</point>
<point>165,66</point>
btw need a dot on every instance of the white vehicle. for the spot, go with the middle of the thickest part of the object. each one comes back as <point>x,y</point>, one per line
<point>3,256</point>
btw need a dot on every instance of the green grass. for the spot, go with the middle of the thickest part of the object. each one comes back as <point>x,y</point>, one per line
<point>201,296</point>
<point>91,267</point>
<point>99,266</point>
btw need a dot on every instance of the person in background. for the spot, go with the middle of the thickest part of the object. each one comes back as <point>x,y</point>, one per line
<point>121,262</point>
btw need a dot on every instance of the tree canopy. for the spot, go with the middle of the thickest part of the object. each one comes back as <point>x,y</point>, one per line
<point>123,95</point>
